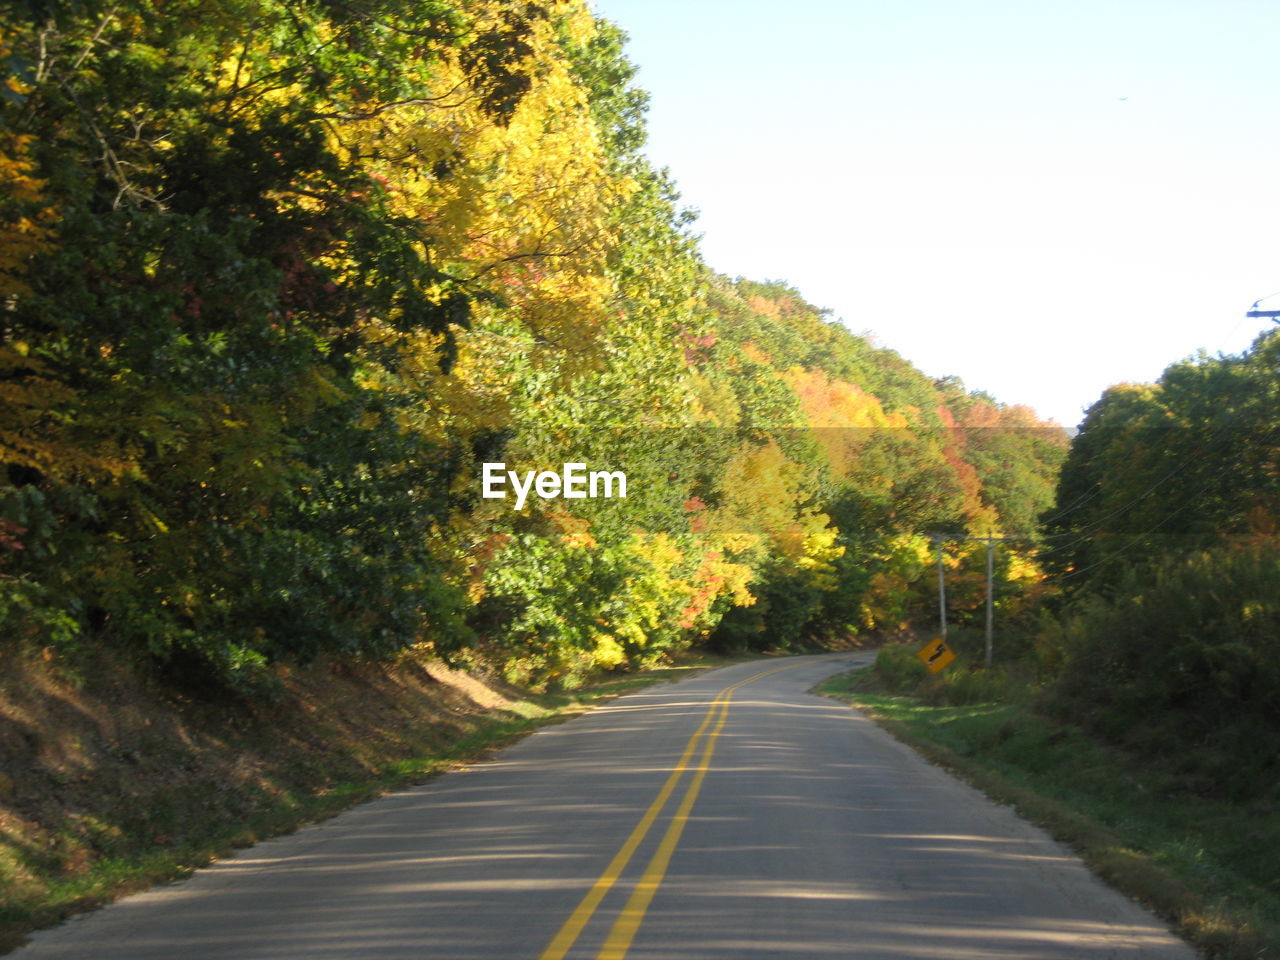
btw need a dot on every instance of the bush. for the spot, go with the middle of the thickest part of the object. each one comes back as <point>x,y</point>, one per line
<point>1182,660</point>
<point>898,667</point>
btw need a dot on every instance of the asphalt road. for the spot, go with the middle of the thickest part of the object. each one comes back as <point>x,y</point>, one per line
<point>732,815</point>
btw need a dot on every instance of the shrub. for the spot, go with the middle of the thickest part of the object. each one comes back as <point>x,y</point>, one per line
<point>898,667</point>
<point>1182,660</point>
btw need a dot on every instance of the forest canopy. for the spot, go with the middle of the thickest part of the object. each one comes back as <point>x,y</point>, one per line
<point>279,277</point>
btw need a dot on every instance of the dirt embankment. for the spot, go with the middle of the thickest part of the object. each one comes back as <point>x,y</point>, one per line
<point>109,782</point>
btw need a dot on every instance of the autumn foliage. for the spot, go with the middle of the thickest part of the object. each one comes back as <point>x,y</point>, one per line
<point>277,277</point>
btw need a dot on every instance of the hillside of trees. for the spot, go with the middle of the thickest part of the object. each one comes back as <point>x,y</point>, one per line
<point>278,277</point>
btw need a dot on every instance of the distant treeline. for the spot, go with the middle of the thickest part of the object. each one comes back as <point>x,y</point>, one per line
<point>278,276</point>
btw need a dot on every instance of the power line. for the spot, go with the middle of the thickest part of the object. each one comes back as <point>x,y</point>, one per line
<point>1133,538</point>
<point>1132,541</point>
<point>1086,532</point>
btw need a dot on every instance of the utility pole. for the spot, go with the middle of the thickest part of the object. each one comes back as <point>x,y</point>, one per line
<point>990,541</point>
<point>990,593</point>
<point>942,589</point>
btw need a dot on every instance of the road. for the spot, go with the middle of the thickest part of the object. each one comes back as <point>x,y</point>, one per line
<point>732,815</point>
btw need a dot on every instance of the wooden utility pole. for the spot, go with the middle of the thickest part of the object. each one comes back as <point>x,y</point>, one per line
<point>990,541</point>
<point>942,588</point>
<point>990,593</point>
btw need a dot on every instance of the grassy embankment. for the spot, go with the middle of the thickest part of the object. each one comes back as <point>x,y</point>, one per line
<point>110,783</point>
<point>1208,864</point>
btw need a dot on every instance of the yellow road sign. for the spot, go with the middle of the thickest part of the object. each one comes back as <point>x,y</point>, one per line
<point>935,655</point>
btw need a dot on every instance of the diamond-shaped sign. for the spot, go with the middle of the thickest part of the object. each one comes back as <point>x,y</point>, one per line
<point>936,655</point>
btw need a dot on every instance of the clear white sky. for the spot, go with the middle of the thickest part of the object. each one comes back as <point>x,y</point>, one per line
<point>1043,197</point>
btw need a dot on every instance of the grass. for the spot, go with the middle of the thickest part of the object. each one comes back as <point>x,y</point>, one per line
<point>110,820</point>
<point>1207,865</point>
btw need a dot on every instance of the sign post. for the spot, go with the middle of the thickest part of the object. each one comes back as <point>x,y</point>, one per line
<point>942,587</point>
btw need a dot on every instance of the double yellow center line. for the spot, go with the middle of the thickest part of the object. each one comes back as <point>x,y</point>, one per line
<point>624,928</point>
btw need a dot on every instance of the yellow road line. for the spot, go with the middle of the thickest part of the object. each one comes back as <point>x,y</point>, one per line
<point>568,933</point>
<point>633,914</point>
<point>624,928</point>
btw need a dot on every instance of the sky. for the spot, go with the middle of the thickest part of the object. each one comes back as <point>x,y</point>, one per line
<point>1040,197</point>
